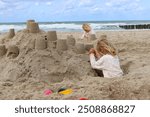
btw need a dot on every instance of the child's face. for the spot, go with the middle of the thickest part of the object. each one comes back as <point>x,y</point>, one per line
<point>101,50</point>
<point>87,29</point>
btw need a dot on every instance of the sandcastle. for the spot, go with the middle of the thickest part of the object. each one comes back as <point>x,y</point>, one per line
<point>28,23</point>
<point>51,39</point>
<point>80,49</point>
<point>32,26</point>
<point>103,37</point>
<point>88,46</point>
<point>70,40</point>
<point>40,44</point>
<point>3,50</point>
<point>13,51</point>
<point>90,38</point>
<point>61,44</point>
<point>51,36</point>
<point>93,37</point>
<point>11,33</point>
<point>31,45</point>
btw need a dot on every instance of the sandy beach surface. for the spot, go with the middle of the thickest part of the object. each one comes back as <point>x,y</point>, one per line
<point>33,71</point>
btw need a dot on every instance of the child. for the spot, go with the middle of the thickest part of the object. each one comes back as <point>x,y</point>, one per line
<point>107,59</point>
<point>88,32</point>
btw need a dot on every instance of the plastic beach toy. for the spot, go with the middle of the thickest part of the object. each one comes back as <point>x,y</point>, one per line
<point>83,99</point>
<point>65,92</point>
<point>48,92</point>
<point>61,89</point>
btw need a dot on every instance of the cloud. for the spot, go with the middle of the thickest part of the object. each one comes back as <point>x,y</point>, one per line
<point>6,4</point>
<point>2,5</point>
<point>58,9</point>
<point>116,7</point>
<point>20,4</point>
<point>37,3</point>
<point>68,6</point>
<point>85,2</point>
<point>96,9</point>
<point>48,3</point>
<point>123,5</point>
<point>78,6</point>
<point>13,3</point>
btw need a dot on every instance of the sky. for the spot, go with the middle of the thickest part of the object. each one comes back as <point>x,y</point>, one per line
<point>73,10</point>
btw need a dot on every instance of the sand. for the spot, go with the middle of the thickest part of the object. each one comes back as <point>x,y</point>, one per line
<point>33,71</point>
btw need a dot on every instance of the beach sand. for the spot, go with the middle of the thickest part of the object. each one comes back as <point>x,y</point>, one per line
<point>33,71</point>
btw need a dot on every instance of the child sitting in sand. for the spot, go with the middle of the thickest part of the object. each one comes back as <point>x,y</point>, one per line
<point>88,34</point>
<point>105,58</point>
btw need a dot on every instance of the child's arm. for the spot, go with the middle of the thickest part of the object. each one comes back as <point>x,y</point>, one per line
<point>83,35</point>
<point>96,64</point>
<point>92,50</point>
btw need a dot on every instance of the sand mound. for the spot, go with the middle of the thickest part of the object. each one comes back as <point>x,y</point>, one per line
<point>45,66</point>
<point>30,71</point>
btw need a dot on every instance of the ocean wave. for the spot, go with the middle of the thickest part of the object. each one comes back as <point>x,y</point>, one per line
<point>6,27</point>
<point>63,26</point>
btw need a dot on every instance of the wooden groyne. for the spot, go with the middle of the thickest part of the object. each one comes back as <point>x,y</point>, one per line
<point>136,26</point>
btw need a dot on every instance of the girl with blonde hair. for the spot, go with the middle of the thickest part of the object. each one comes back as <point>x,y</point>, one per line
<point>87,32</point>
<point>105,58</point>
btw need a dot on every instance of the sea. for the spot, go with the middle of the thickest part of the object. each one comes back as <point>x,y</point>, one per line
<point>72,26</point>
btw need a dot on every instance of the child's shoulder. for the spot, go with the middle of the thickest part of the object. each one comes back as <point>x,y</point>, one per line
<point>108,56</point>
<point>92,32</point>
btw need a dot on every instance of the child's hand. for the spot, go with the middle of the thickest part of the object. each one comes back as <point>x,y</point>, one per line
<point>92,51</point>
<point>98,54</point>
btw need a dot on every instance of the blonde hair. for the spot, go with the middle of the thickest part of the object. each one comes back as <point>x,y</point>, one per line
<point>86,27</point>
<point>103,44</point>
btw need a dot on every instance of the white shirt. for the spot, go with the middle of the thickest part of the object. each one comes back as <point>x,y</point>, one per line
<point>108,64</point>
<point>87,34</point>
